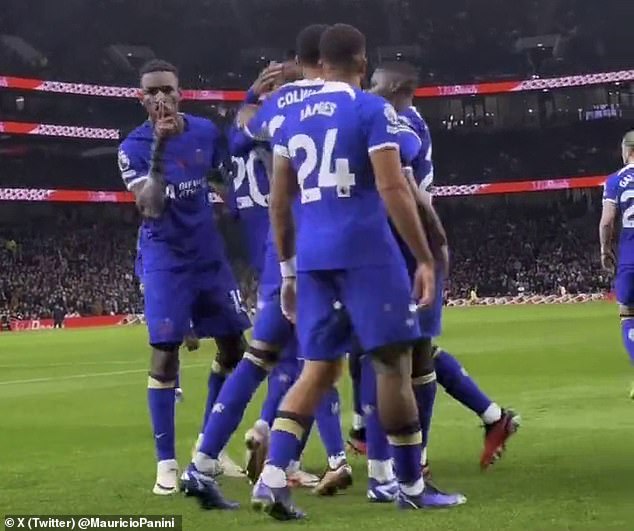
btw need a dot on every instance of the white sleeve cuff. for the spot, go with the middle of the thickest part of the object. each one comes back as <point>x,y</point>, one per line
<point>248,132</point>
<point>130,184</point>
<point>385,145</point>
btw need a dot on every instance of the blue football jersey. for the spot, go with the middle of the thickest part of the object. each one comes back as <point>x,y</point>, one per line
<point>329,138</point>
<point>251,191</point>
<point>619,189</point>
<point>409,144</point>
<point>422,164</point>
<point>264,125</point>
<point>185,235</point>
<point>271,114</point>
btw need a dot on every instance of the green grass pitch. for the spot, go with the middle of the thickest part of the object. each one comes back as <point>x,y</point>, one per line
<point>75,436</point>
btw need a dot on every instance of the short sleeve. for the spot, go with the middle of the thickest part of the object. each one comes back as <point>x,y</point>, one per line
<point>239,142</point>
<point>409,144</point>
<point>257,126</point>
<point>133,165</point>
<point>611,189</point>
<point>382,125</point>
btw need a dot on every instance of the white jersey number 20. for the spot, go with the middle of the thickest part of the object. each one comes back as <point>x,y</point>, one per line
<point>246,171</point>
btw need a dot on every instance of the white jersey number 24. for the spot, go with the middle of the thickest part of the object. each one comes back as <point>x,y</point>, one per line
<point>338,177</point>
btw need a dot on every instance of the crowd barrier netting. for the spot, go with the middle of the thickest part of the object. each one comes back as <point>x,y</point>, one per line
<point>439,91</point>
<point>530,299</point>
<point>59,131</point>
<point>90,196</point>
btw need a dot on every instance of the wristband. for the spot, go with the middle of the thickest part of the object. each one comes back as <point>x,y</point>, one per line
<point>251,97</point>
<point>288,268</point>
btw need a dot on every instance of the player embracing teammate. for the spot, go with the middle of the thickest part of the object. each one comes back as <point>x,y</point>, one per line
<point>356,255</point>
<point>336,157</point>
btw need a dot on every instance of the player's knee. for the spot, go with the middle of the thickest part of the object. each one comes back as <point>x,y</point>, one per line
<point>322,374</point>
<point>265,358</point>
<point>392,360</point>
<point>230,350</point>
<point>164,362</point>
<point>422,359</point>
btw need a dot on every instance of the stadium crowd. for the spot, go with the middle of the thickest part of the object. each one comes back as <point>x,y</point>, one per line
<point>80,270</point>
<point>438,36</point>
<point>582,149</point>
<point>507,248</point>
<point>499,246</point>
<point>459,158</point>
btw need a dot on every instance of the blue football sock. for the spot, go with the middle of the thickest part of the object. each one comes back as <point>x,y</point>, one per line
<point>425,392</point>
<point>627,329</point>
<point>227,412</point>
<point>278,384</point>
<point>329,424</point>
<point>160,397</point>
<point>378,448</point>
<point>286,438</point>
<point>406,451</point>
<point>177,383</point>
<point>458,384</point>
<point>217,378</point>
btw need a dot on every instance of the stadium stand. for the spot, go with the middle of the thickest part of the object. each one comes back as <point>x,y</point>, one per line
<point>501,245</point>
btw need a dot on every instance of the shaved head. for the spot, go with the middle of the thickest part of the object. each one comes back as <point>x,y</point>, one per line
<point>396,82</point>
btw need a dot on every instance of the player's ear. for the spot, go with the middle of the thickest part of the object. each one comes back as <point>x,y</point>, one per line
<point>363,66</point>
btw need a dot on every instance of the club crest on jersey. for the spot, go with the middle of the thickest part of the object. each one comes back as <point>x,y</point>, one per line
<point>322,108</point>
